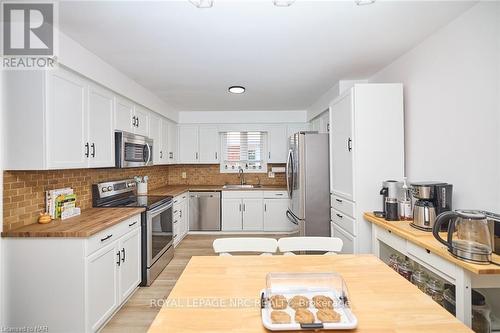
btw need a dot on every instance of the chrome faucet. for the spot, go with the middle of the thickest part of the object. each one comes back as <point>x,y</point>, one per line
<point>242,176</point>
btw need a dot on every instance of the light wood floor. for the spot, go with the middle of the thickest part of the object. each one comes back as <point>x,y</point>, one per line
<point>138,312</point>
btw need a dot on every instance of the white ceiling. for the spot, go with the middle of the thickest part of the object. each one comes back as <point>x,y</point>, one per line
<point>285,57</point>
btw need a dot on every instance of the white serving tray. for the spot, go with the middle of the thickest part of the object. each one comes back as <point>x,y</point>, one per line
<point>347,321</point>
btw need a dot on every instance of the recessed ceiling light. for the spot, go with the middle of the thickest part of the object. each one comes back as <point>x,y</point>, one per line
<point>364,2</point>
<point>283,3</point>
<point>236,89</point>
<point>202,3</point>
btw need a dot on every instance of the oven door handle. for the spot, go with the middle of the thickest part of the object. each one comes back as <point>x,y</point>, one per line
<point>159,209</point>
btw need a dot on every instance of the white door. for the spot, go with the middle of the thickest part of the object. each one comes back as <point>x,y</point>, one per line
<point>130,263</point>
<point>188,144</point>
<point>231,215</point>
<point>155,129</point>
<point>102,290</point>
<point>124,115</point>
<point>142,121</point>
<point>253,217</point>
<point>277,144</point>
<point>209,144</point>
<point>341,148</point>
<point>101,109</point>
<point>164,142</point>
<point>67,144</point>
<point>275,215</point>
<point>172,143</point>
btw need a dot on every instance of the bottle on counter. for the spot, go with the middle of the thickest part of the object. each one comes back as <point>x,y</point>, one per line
<point>405,204</point>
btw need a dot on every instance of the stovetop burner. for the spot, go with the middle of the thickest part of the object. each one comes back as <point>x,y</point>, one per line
<point>148,201</point>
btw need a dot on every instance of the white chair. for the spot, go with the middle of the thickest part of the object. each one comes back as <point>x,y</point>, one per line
<point>328,244</point>
<point>226,246</point>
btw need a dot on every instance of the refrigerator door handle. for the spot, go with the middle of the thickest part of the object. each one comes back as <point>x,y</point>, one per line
<point>289,173</point>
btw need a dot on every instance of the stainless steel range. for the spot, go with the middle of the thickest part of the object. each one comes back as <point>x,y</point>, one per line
<point>156,222</point>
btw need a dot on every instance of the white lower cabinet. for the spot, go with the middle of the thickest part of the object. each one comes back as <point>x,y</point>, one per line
<point>80,282</point>
<point>180,223</point>
<point>275,215</point>
<point>252,217</point>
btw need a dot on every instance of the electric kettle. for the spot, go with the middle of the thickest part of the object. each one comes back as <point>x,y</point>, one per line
<point>468,237</point>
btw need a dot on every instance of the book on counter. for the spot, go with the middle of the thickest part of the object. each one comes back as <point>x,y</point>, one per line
<point>61,203</point>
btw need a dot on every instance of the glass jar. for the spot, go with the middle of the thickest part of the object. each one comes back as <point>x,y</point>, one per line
<point>419,278</point>
<point>481,322</point>
<point>405,269</point>
<point>435,289</point>
<point>449,298</point>
<point>394,261</point>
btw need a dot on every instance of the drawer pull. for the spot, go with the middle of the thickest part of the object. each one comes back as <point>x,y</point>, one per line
<point>428,251</point>
<point>132,224</point>
<point>175,221</point>
<point>279,194</point>
<point>338,200</point>
<point>175,211</point>
<point>339,216</point>
<point>106,238</point>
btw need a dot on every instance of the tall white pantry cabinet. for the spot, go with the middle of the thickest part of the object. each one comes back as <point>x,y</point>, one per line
<point>366,148</point>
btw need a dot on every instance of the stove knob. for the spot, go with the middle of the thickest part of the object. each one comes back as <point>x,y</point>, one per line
<point>104,189</point>
<point>130,184</point>
<point>110,188</point>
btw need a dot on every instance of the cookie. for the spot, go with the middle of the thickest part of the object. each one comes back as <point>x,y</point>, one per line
<point>322,302</point>
<point>328,316</point>
<point>278,302</point>
<point>280,317</point>
<point>304,316</point>
<point>298,302</point>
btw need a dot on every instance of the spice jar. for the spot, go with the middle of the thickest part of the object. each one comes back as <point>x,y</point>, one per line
<point>419,278</point>
<point>394,261</point>
<point>435,289</point>
<point>405,269</point>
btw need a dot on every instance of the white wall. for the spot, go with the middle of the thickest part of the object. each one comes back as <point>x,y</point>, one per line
<point>233,117</point>
<point>452,106</point>
<point>81,60</point>
<point>323,102</point>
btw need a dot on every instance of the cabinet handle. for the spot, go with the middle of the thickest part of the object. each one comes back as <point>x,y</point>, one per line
<point>269,155</point>
<point>339,216</point>
<point>338,200</point>
<point>216,155</point>
<point>171,155</point>
<point>265,207</point>
<point>240,208</point>
<point>123,251</point>
<point>328,127</point>
<point>131,224</point>
<point>87,149</point>
<point>106,238</point>
<point>196,155</point>
<point>180,213</point>
<point>133,121</point>
<point>279,194</point>
<point>175,221</point>
<point>349,144</point>
<point>93,149</point>
<point>175,236</point>
<point>244,207</point>
<point>119,258</point>
<point>175,211</point>
<point>161,154</point>
<point>138,124</point>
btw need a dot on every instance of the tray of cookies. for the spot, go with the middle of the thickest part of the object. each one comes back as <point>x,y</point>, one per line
<point>298,301</point>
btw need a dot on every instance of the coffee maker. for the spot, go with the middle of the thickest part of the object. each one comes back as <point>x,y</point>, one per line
<point>433,198</point>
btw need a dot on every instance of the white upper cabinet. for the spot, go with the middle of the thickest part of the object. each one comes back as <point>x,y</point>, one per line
<point>277,143</point>
<point>172,143</point>
<point>100,127</point>
<point>155,133</point>
<point>188,144</point>
<point>164,159</point>
<point>209,146</point>
<point>141,121</point>
<point>131,118</point>
<point>67,144</point>
<point>342,147</point>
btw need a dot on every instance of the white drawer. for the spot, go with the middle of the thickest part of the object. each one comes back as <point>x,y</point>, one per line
<point>180,198</point>
<point>242,194</point>
<point>430,260</point>
<point>343,205</point>
<point>394,241</point>
<point>344,221</point>
<point>111,234</point>
<point>275,195</point>
<point>348,241</point>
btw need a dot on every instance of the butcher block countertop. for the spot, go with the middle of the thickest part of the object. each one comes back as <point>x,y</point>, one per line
<point>174,190</point>
<point>222,294</point>
<point>427,241</point>
<point>90,222</point>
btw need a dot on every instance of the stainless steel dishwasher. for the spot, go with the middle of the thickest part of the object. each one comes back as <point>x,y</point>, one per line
<point>204,211</point>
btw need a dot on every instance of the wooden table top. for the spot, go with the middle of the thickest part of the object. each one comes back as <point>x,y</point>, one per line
<point>90,222</point>
<point>382,300</point>
<point>426,240</point>
<point>175,190</point>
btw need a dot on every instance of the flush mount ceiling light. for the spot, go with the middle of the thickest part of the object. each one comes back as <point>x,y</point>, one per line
<point>236,89</point>
<point>283,3</point>
<point>203,3</point>
<point>364,2</point>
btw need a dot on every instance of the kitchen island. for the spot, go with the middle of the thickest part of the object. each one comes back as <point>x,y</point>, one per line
<point>382,300</point>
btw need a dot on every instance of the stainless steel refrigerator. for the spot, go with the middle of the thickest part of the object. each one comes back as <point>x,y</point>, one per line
<point>308,183</point>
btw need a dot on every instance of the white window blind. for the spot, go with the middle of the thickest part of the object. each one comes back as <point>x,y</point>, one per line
<point>243,150</point>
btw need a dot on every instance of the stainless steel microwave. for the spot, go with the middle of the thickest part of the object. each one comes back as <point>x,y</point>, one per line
<point>132,150</point>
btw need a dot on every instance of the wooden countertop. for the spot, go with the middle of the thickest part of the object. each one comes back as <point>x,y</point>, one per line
<point>426,240</point>
<point>174,190</point>
<point>382,300</point>
<point>90,222</point>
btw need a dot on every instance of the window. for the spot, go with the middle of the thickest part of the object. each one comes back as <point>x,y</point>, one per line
<point>243,150</point>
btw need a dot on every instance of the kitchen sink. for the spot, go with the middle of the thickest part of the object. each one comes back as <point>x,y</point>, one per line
<point>239,187</point>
